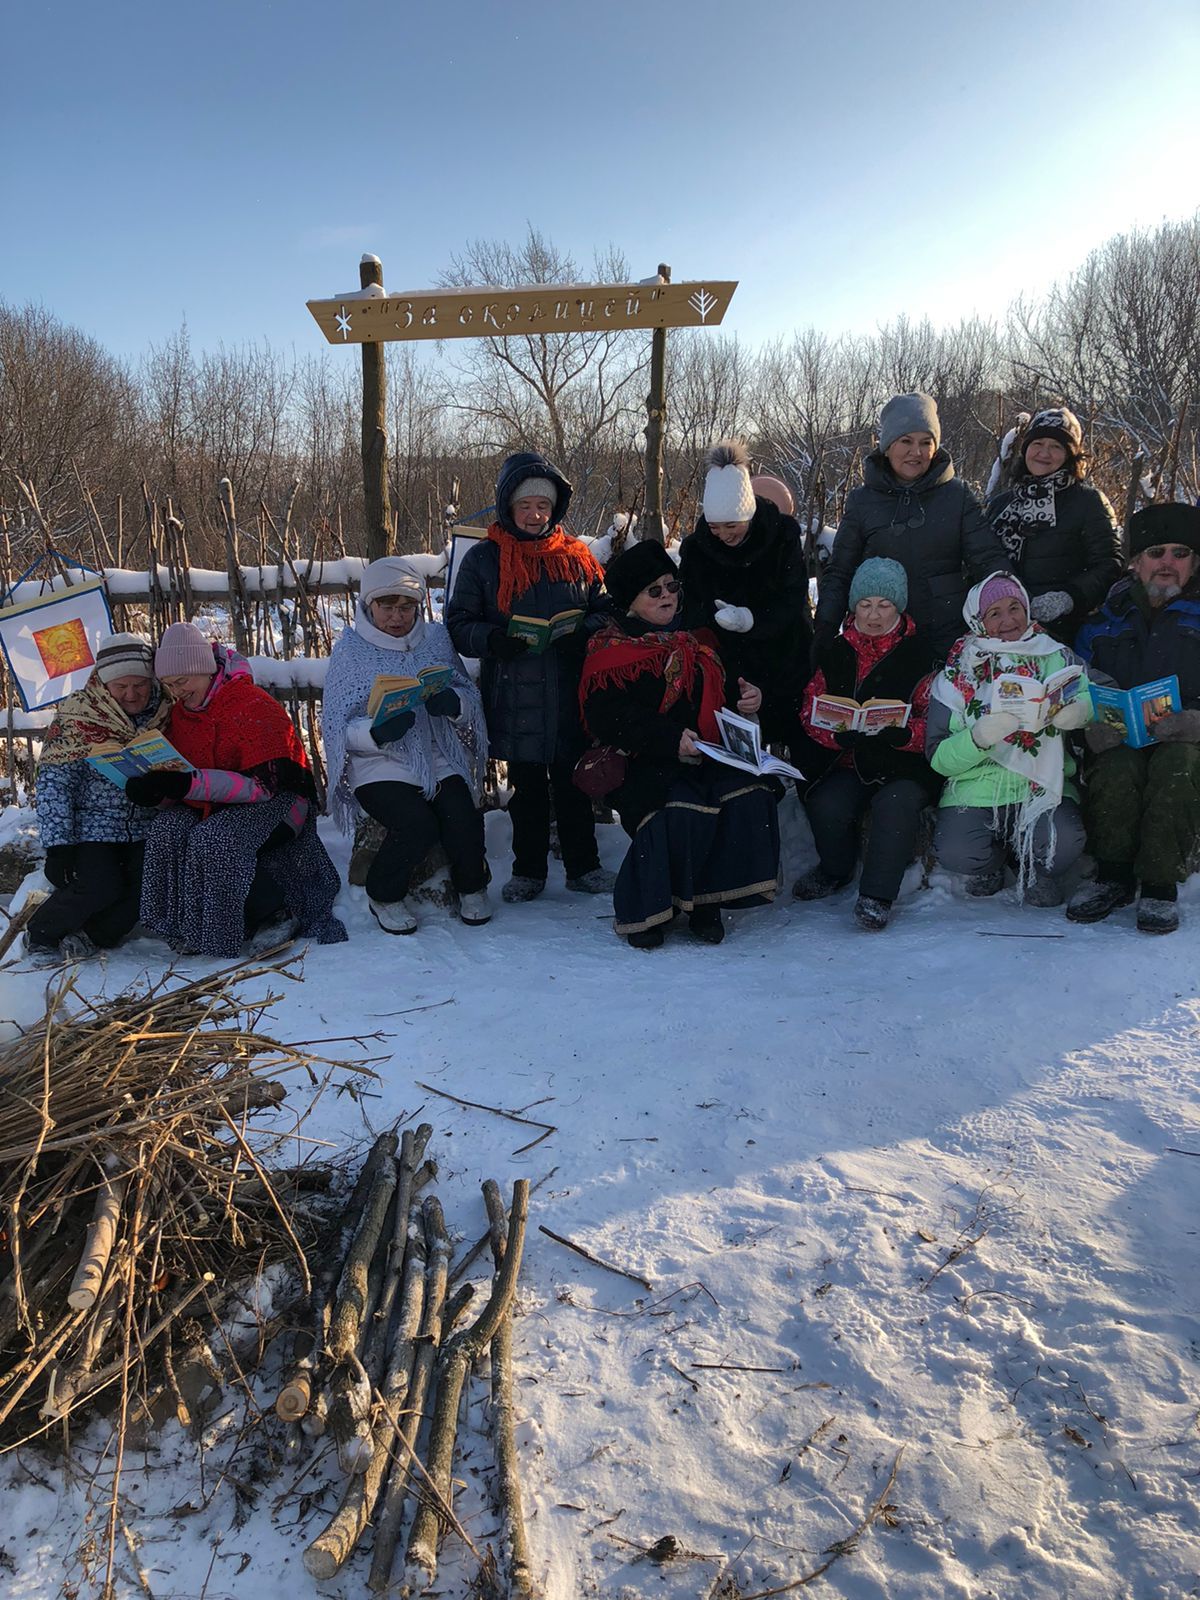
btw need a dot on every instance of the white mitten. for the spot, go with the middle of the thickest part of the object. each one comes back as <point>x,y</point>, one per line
<point>734,619</point>
<point>994,726</point>
<point>1076,713</point>
<point>1054,603</point>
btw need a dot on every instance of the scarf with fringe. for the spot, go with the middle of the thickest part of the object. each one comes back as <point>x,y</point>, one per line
<point>965,686</point>
<point>90,717</point>
<point>556,556</point>
<point>364,653</point>
<point>614,657</point>
<point>1031,507</point>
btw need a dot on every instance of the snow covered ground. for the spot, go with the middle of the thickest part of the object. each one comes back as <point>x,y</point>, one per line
<point>918,1196</point>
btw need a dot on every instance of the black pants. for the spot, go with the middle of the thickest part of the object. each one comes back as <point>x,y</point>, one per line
<point>414,825</point>
<point>101,899</point>
<point>835,806</point>
<point>529,811</point>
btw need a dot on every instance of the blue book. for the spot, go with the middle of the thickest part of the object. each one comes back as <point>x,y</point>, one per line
<point>1135,711</point>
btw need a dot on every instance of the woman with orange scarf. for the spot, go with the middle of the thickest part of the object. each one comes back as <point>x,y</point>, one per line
<point>528,570</point>
<point>702,835</point>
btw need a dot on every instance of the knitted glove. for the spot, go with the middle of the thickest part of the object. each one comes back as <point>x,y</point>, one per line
<point>506,647</point>
<point>1076,713</point>
<point>445,703</point>
<point>734,619</point>
<point>1054,603</point>
<point>393,728</point>
<point>1178,727</point>
<point>1102,736</point>
<point>60,864</point>
<point>892,737</point>
<point>994,726</point>
<point>149,788</point>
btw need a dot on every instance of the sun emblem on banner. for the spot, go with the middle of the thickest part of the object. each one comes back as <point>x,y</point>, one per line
<point>64,648</point>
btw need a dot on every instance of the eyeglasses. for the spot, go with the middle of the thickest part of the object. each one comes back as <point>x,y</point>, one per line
<point>1177,552</point>
<point>392,602</point>
<point>657,590</point>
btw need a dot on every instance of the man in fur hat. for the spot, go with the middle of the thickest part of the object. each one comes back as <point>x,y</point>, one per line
<point>1142,807</point>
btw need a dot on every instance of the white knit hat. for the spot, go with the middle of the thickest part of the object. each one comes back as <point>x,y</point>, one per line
<point>391,575</point>
<point>728,495</point>
<point>532,489</point>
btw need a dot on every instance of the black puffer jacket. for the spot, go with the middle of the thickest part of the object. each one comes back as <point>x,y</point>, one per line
<point>767,574</point>
<point>532,703</point>
<point>1080,554</point>
<point>935,528</point>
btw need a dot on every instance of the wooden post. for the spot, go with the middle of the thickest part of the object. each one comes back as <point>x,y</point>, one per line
<point>378,515</point>
<point>1133,489</point>
<point>656,421</point>
<point>237,592</point>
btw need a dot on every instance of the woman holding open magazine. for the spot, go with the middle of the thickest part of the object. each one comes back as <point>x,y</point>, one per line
<point>405,743</point>
<point>864,716</point>
<point>997,718</point>
<point>703,834</point>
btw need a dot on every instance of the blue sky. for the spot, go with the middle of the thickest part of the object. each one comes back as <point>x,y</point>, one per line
<point>221,163</point>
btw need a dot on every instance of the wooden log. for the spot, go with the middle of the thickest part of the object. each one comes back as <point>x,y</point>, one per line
<point>377,507</point>
<point>513,1540</point>
<point>412,1152</point>
<point>101,1236</point>
<point>455,1361</point>
<point>350,1309</point>
<point>655,429</point>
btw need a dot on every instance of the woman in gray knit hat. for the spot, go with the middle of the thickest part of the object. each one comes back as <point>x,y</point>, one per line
<point>911,508</point>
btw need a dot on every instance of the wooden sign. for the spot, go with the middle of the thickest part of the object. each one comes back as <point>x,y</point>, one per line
<point>372,316</point>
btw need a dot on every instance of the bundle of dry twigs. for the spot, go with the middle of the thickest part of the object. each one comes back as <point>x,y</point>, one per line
<point>134,1196</point>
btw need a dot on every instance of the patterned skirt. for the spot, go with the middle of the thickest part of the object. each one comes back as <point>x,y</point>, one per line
<point>199,870</point>
<point>715,841</point>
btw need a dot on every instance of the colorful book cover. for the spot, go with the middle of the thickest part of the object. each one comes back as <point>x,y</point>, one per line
<point>1133,712</point>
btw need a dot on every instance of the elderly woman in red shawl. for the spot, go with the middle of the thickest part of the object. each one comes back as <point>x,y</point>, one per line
<point>234,853</point>
<point>702,835</point>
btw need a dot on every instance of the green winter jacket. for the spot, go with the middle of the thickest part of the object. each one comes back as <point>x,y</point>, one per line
<point>972,777</point>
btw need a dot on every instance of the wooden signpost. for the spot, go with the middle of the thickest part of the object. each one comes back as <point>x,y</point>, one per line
<point>372,317</point>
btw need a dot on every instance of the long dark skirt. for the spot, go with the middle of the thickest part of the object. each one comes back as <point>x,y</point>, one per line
<point>714,842</point>
<point>199,871</point>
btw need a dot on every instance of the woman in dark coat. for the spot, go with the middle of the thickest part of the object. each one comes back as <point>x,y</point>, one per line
<point>1058,532</point>
<point>702,835</point>
<point>529,567</point>
<point>744,576</point>
<point>880,654</point>
<point>911,508</point>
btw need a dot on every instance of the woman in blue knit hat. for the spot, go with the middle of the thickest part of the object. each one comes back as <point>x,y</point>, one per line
<point>873,760</point>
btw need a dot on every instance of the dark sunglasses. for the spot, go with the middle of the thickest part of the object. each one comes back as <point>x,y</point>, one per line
<point>1177,552</point>
<point>667,586</point>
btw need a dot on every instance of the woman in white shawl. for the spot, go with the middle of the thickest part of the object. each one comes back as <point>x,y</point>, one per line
<point>1008,785</point>
<point>420,771</point>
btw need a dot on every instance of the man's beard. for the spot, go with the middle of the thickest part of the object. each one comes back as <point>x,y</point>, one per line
<point>1160,593</point>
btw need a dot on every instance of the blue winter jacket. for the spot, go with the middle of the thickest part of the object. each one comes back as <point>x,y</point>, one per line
<point>75,805</point>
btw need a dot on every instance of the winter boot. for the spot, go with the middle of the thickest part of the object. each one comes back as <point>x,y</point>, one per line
<point>276,931</point>
<point>475,909</point>
<point>1094,901</point>
<point>77,947</point>
<point>519,889</point>
<point>872,914</point>
<point>394,916</point>
<point>1157,911</point>
<point>41,954</point>
<point>980,885</point>
<point>705,924</point>
<point>648,939</point>
<point>598,881</point>
<point>817,885</point>
<point>1043,891</point>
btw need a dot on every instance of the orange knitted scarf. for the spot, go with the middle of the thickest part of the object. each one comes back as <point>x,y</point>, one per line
<point>523,561</point>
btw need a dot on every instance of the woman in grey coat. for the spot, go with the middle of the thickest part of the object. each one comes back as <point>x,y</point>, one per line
<point>911,508</point>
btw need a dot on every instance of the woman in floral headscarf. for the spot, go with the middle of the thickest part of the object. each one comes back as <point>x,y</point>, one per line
<point>1008,789</point>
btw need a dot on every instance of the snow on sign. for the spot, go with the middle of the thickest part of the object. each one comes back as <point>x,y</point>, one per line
<point>371,315</point>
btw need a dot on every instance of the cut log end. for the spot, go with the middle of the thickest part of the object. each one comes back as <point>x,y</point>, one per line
<point>294,1400</point>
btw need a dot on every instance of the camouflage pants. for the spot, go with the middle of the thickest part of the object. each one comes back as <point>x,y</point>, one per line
<point>1142,809</point>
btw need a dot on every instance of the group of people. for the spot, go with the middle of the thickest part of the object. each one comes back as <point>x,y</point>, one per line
<point>929,600</point>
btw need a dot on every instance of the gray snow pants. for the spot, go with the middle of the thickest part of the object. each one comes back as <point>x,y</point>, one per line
<point>966,841</point>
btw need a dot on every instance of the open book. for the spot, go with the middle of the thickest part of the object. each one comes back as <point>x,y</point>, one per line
<point>741,746</point>
<point>148,752</point>
<point>1030,700</point>
<point>541,632</point>
<point>391,693</point>
<point>1134,711</point>
<point>840,714</point>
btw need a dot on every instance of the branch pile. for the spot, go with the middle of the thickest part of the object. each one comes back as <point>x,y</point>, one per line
<point>135,1198</point>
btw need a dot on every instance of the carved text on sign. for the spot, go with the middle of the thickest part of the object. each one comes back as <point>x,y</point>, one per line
<point>491,313</point>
